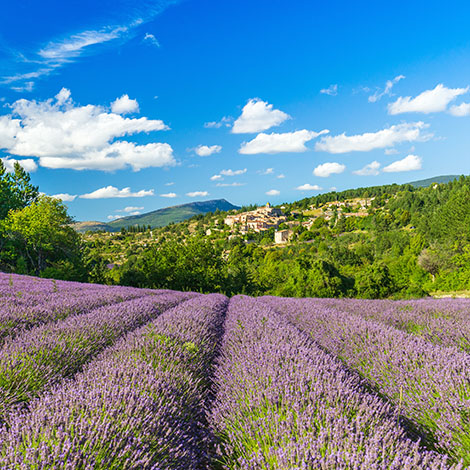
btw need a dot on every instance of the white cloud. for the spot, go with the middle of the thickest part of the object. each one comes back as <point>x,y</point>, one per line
<point>370,169</point>
<point>276,143</point>
<point>257,116</point>
<point>308,187</point>
<point>226,185</point>
<point>170,183</point>
<point>205,150</point>
<point>281,176</point>
<point>28,164</point>
<point>216,177</point>
<point>406,132</point>
<point>225,121</point>
<point>169,195</point>
<point>332,90</point>
<point>268,171</point>
<point>233,172</point>
<point>64,135</point>
<point>273,192</point>
<point>130,209</point>
<point>124,105</point>
<point>387,90</point>
<point>429,101</point>
<point>460,110</point>
<point>113,192</point>
<point>151,39</point>
<point>197,194</point>
<point>329,168</point>
<point>65,197</point>
<point>409,163</point>
<point>391,151</point>
<point>115,217</point>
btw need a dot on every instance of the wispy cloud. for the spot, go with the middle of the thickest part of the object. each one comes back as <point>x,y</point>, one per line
<point>387,90</point>
<point>59,51</point>
<point>332,90</point>
<point>151,39</point>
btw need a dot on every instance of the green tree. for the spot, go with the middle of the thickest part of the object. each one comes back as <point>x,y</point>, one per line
<point>42,232</point>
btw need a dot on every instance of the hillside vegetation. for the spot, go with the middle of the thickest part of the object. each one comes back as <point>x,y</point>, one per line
<point>407,242</point>
<point>394,241</point>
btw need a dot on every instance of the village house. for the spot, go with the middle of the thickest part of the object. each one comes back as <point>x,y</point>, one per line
<point>259,220</point>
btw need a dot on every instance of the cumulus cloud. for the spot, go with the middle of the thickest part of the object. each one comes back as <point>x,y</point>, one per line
<point>429,101</point>
<point>65,135</point>
<point>216,177</point>
<point>65,197</point>
<point>205,150</point>
<point>113,192</point>
<point>268,171</point>
<point>197,194</point>
<point>28,164</point>
<point>230,172</point>
<point>308,187</point>
<point>387,90</point>
<point>329,168</point>
<point>257,116</point>
<point>406,132</point>
<point>273,192</point>
<point>281,176</point>
<point>114,217</point>
<point>460,110</point>
<point>277,143</point>
<point>130,209</point>
<point>169,195</point>
<point>151,39</point>
<point>124,105</point>
<point>370,169</point>
<point>170,183</point>
<point>409,163</point>
<point>332,90</point>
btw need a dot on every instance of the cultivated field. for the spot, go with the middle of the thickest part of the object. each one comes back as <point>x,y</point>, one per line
<point>100,377</point>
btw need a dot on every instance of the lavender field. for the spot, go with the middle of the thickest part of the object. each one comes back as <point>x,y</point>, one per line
<point>106,377</point>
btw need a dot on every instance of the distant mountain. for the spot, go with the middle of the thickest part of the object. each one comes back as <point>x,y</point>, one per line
<point>160,217</point>
<point>437,179</point>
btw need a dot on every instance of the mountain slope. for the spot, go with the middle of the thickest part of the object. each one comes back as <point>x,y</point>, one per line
<point>436,179</point>
<point>160,217</point>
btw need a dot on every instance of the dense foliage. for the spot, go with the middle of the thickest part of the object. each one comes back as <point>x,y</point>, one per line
<point>411,241</point>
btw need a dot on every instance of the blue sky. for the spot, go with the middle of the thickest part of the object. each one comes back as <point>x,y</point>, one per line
<point>122,109</point>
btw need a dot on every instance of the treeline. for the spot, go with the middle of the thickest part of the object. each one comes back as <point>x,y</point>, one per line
<point>413,241</point>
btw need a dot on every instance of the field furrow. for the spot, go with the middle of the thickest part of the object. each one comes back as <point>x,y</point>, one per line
<point>429,384</point>
<point>41,357</point>
<point>283,403</point>
<point>141,405</point>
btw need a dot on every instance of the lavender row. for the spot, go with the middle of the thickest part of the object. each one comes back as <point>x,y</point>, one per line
<point>14,320</point>
<point>40,357</point>
<point>440,321</point>
<point>428,383</point>
<point>140,405</point>
<point>282,403</point>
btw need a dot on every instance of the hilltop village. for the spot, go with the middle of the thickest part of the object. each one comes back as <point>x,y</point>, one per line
<point>268,217</point>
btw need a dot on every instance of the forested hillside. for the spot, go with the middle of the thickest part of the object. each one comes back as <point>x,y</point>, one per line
<point>411,241</point>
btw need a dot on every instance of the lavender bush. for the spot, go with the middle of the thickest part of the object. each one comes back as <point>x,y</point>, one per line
<point>42,356</point>
<point>282,403</point>
<point>141,405</point>
<point>429,384</point>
